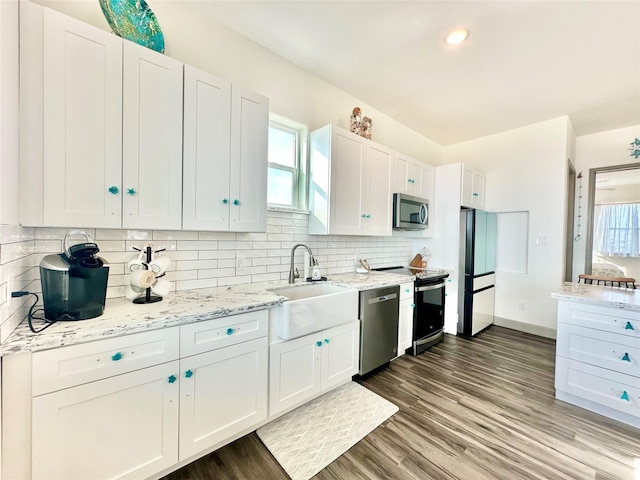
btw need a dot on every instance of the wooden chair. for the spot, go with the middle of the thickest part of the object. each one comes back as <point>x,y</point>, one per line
<point>608,281</point>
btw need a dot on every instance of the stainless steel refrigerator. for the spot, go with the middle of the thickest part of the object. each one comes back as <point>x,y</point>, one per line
<point>476,291</point>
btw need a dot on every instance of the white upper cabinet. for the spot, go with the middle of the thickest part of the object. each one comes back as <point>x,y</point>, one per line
<point>248,171</point>
<point>350,191</point>
<point>71,121</point>
<point>225,155</point>
<point>152,139</point>
<point>413,177</point>
<point>472,188</point>
<point>207,137</point>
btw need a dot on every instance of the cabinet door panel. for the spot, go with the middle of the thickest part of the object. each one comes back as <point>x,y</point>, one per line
<point>401,174</point>
<point>225,393</point>
<point>248,180</point>
<point>121,427</point>
<point>416,187</point>
<point>405,325</point>
<point>82,123</point>
<point>294,372</point>
<point>340,354</point>
<point>379,191</point>
<point>347,185</point>
<point>207,130</point>
<point>152,139</point>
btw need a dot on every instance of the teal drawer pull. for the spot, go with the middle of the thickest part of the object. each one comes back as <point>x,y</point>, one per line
<point>230,331</point>
<point>171,378</point>
<point>625,357</point>
<point>625,396</point>
<point>116,356</point>
<point>319,343</point>
<point>188,374</point>
<point>236,202</point>
<point>413,305</point>
<point>113,189</point>
<point>131,191</point>
<point>628,326</point>
<point>225,201</point>
<point>326,340</point>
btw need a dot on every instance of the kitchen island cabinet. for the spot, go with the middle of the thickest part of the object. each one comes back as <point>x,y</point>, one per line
<point>598,350</point>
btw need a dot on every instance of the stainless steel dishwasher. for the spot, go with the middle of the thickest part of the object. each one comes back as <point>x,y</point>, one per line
<point>378,327</point>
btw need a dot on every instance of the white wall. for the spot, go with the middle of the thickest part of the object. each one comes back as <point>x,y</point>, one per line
<point>526,171</point>
<point>292,91</point>
<point>602,149</point>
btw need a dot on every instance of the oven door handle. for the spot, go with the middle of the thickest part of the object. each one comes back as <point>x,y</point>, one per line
<point>430,287</point>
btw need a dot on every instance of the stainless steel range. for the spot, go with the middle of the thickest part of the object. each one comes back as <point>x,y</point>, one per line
<point>428,314</point>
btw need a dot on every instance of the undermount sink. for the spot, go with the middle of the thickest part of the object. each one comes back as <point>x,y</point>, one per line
<point>314,307</point>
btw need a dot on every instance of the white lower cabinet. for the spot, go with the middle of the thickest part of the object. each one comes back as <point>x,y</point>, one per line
<point>221,393</point>
<point>134,406</point>
<point>121,427</point>
<point>302,368</point>
<point>598,360</point>
<point>405,320</point>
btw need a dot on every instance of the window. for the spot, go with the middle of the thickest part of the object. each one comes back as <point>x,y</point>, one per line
<point>286,174</point>
<point>617,229</point>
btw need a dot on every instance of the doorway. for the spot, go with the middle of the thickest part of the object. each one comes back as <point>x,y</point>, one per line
<point>569,223</point>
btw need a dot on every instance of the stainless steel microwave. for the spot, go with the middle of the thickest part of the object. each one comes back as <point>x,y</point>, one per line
<point>410,213</point>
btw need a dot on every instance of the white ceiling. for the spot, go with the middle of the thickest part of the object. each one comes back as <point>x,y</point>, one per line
<point>524,61</point>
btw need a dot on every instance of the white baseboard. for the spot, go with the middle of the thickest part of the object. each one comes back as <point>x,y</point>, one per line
<point>525,327</point>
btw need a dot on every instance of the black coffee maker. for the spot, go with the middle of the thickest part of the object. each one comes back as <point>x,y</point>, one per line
<point>74,283</point>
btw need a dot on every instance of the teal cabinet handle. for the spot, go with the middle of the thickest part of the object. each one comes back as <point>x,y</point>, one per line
<point>628,326</point>
<point>625,357</point>
<point>236,202</point>
<point>319,343</point>
<point>408,290</point>
<point>225,201</point>
<point>188,374</point>
<point>363,216</point>
<point>113,189</point>
<point>624,396</point>
<point>446,294</point>
<point>116,356</point>
<point>131,191</point>
<point>413,305</point>
<point>476,194</point>
<point>171,378</point>
<point>230,331</point>
<point>326,340</point>
<point>368,216</point>
<point>411,180</point>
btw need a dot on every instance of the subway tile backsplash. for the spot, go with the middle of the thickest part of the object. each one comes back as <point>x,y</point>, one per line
<point>198,259</point>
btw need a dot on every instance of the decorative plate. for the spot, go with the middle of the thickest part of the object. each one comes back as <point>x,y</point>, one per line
<point>134,20</point>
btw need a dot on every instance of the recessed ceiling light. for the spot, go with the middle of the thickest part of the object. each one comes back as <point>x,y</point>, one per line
<point>457,36</point>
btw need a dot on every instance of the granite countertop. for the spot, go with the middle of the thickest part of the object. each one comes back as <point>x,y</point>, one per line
<point>623,298</point>
<point>122,317</point>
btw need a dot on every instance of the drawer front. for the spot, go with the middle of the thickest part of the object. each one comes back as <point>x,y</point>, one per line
<point>221,332</point>
<point>611,389</point>
<point>602,349</point>
<point>608,319</point>
<point>406,291</point>
<point>77,364</point>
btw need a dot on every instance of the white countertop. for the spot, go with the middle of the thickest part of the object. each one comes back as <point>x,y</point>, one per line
<point>623,298</point>
<point>122,317</point>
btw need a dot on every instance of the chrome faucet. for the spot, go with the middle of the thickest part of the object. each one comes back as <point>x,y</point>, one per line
<point>293,272</point>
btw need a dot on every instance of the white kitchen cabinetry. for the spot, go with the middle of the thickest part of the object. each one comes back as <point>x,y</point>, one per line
<point>101,127</point>
<point>413,177</point>
<point>405,321</point>
<point>95,397</point>
<point>598,360</point>
<point>71,121</point>
<point>303,368</point>
<point>351,178</point>
<point>225,155</point>
<point>137,405</point>
<point>119,427</point>
<point>472,190</point>
<point>151,139</point>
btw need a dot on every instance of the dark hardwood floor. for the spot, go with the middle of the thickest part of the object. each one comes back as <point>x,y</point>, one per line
<point>480,408</point>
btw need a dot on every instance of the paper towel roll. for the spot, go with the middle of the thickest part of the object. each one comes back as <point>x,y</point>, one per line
<point>142,278</point>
